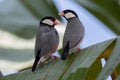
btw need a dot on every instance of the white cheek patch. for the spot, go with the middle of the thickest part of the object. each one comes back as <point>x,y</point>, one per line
<point>69,15</point>
<point>47,21</point>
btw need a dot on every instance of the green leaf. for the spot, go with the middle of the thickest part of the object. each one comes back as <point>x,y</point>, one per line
<point>40,8</point>
<point>118,69</point>
<point>10,59</point>
<point>21,17</point>
<point>75,66</point>
<point>94,70</point>
<point>16,19</point>
<point>118,78</point>
<point>107,13</point>
<point>86,57</point>
<point>112,62</point>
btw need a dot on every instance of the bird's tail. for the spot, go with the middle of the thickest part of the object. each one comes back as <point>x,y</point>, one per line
<point>65,52</point>
<point>37,58</point>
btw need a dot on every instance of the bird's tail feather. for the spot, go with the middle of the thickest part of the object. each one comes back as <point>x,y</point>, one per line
<point>37,58</point>
<point>65,52</point>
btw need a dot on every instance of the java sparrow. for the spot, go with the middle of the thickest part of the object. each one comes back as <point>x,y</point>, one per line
<point>47,40</point>
<point>74,32</point>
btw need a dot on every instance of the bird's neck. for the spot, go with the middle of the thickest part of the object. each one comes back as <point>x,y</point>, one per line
<point>46,25</point>
<point>72,19</point>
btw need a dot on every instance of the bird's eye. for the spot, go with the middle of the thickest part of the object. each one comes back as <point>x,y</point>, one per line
<point>52,19</point>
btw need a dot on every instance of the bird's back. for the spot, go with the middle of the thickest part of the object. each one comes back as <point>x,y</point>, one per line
<point>74,32</point>
<point>46,40</point>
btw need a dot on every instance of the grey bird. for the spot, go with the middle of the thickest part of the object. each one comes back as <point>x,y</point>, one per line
<point>74,32</point>
<point>47,40</point>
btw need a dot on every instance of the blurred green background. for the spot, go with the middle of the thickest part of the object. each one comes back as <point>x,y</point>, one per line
<point>19,20</point>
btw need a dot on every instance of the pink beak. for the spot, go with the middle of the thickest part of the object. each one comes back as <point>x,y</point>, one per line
<point>61,13</point>
<point>56,22</point>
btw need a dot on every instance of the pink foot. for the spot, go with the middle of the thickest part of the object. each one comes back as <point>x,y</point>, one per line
<point>39,63</point>
<point>78,50</point>
<point>54,57</point>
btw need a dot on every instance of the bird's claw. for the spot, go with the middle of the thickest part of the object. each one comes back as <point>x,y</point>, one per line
<point>54,57</point>
<point>78,50</point>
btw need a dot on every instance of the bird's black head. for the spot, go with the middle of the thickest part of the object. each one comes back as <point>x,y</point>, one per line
<point>48,20</point>
<point>68,14</point>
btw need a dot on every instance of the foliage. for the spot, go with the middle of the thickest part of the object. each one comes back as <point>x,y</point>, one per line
<point>21,17</point>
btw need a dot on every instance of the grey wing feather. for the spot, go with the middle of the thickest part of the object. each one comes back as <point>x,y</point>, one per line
<point>40,39</point>
<point>46,41</point>
<point>74,32</point>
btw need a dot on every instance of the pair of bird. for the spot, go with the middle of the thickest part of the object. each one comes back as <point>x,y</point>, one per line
<point>47,38</point>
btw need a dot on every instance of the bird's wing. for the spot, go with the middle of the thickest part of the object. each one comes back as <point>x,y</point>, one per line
<point>46,41</point>
<point>52,43</point>
<point>74,33</point>
<point>40,39</point>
